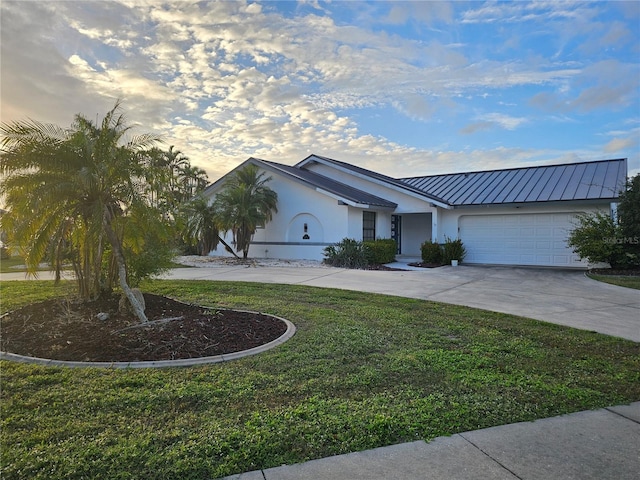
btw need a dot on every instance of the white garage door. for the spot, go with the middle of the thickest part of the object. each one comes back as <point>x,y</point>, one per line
<point>525,239</point>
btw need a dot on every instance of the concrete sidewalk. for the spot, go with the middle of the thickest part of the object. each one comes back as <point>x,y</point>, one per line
<point>599,445</point>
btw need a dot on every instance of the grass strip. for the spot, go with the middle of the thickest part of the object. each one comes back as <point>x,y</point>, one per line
<point>621,281</point>
<point>362,371</point>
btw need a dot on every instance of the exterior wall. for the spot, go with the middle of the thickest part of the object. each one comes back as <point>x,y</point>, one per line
<point>284,236</point>
<point>383,224</point>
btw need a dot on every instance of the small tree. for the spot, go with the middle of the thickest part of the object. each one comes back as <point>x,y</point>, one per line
<point>244,203</point>
<point>80,194</point>
<point>201,226</point>
<point>629,211</point>
<point>594,238</point>
<point>599,238</point>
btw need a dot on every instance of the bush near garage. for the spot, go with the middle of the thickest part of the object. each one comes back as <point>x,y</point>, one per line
<point>431,253</point>
<point>599,238</point>
<point>453,250</point>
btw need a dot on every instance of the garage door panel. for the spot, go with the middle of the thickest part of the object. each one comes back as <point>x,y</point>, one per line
<point>519,239</point>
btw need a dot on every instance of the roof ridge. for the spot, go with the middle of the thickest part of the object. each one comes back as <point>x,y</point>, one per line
<point>530,167</point>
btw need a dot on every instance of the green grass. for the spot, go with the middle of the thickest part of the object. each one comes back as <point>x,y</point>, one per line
<point>621,281</point>
<point>362,371</point>
<point>16,264</point>
<point>13,264</point>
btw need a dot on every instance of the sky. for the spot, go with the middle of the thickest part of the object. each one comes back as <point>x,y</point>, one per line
<point>401,88</point>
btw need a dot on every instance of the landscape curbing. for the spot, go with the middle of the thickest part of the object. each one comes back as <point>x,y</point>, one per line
<point>182,362</point>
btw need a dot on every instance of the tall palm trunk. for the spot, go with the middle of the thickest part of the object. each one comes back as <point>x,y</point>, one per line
<point>122,270</point>
<point>227,247</point>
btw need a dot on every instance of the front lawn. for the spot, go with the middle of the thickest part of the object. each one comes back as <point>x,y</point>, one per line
<point>16,264</point>
<point>362,371</point>
<point>622,281</point>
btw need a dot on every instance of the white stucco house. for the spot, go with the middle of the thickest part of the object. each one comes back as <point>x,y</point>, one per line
<point>518,216</point>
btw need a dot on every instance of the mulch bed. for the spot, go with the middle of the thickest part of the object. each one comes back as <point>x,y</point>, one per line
<point>627,272</point>
<point>70,330</point>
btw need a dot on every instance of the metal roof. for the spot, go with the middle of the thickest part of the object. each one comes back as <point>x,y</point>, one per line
<point>363,172</point>
<point>338,189</point>
<point>601,180</point>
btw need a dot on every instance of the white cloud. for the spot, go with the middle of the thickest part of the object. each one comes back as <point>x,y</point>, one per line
<point>227,80</point>
<point>489,121</point>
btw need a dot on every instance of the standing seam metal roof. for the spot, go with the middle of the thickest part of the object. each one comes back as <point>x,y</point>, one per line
<point>602,179</point>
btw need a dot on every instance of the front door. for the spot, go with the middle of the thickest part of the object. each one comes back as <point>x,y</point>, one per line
<point>396,232</point>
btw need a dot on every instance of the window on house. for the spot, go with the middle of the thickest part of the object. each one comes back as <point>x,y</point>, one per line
<point>368,226</point>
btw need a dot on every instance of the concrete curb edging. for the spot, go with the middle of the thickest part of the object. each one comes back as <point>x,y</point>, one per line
<point>183,362</point>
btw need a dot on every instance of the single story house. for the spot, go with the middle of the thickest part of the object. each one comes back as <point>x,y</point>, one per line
<point>517,216</point>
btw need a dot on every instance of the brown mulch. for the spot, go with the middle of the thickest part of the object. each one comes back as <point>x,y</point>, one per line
<point>623,272</point>
<point>426,265</point>
<point>70,330</point>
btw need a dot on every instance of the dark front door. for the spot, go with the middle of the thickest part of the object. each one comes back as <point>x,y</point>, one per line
<point>396,232</point>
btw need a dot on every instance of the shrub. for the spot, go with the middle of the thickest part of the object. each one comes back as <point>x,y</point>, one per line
<point>152,261</point>
<point>453,250</point>
<point>381,250</point>
<point>431,253</point>
<point>598,239</point>
<point>348,253</point>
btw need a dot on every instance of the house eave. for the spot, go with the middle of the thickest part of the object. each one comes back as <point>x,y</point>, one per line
<point>404,190</point>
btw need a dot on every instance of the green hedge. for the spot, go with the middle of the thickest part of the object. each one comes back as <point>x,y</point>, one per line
<point>442,253</point>
<point>431,253</point>
<point>381,251</point>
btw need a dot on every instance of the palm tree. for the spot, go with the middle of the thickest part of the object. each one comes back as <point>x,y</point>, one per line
<point>244,203</point>
<point>75,192</point>
<point>192,180</point>
<point>201,225</point>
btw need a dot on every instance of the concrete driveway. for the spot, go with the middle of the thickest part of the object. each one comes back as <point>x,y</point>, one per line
<point>565,297</point>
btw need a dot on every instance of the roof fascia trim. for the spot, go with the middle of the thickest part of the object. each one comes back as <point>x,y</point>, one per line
<point>397,188</point>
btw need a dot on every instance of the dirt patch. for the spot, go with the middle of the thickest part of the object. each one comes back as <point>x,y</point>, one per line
<point>68,330</point>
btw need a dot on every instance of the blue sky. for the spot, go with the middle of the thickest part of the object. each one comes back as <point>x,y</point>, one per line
<point>402,88</point>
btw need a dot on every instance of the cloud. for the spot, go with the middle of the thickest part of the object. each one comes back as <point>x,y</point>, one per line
<point>489,121</point>
<point>226,80</point>
<point>621,144</point>
<point>421,12</point>
<point>606,84</point>
<point>477,127</point>
<point>521,12</point>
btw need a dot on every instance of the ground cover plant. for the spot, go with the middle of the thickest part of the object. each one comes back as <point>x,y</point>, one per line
<point>362,371</point>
